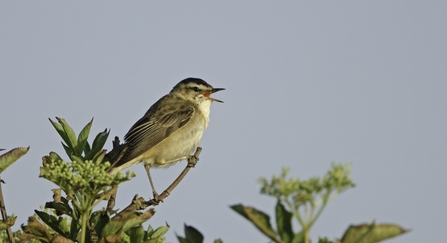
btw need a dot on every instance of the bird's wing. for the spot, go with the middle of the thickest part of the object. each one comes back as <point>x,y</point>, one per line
<point>151,130</point>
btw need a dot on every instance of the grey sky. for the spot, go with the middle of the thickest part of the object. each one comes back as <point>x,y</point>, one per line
<point>308,83</point>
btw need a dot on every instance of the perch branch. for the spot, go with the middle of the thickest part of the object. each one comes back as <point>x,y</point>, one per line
<point>192,161</point>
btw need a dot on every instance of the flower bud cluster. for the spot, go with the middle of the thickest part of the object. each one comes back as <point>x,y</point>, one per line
<point>88,176</point>
<point>304,191</point>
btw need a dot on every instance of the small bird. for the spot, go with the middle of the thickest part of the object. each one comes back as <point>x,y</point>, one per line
<point>171,129</point>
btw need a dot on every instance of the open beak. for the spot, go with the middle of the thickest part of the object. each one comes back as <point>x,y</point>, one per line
<point>214,90</point>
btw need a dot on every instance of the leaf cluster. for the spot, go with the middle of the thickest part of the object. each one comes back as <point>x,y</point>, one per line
<point>85,182</point>
<point>77,147</point>
<point>304,201</point>
<point>311,191</point>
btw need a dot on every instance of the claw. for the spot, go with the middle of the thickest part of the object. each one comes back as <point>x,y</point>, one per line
<point>192,160</point>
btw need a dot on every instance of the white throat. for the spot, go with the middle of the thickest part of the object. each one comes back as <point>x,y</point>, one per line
<point>204,108</point>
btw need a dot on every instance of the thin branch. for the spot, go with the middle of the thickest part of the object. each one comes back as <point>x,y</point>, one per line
<point>138,203</point>
<point>4,215</point>
<point>192,161</point>
<point>322,207</point>
<point>295,212</point>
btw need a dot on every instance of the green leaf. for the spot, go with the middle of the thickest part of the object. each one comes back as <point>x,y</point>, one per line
<point>260,219</point>
<point>136,234</point>
<point>54,156</point>
<point>193,235</point>
<point>100,139</point>
<point>87,148</point>
<point>154,241</point>
<point>283,222</point>
<point>99,156</point>
<point>68,150</point>
<point>11,156</point>
<point>77,159</point>
<point>134,221</point>
<point>61,131</point>
<point>149,231</point>
<point>74,229</point>
<point>51,221</point>
<point>324,240</point>
<point>160,231</point>
<point>182,240</point>
<point>82,138</point>
<point>99,219</point>
<point>125,222</point>
<point>112,227</point>
<point>70,134</point>
<point>64,224</point>
<point>61,207</point>
<point>370,233</point>
<point>298,238</point>
<point>98,143</point>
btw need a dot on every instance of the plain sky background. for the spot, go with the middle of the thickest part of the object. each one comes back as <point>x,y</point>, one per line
<point>308,83</point>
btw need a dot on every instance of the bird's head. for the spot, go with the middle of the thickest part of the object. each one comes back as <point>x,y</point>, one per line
<point>195,90</point>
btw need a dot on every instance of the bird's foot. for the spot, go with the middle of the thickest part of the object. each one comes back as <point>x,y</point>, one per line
<point>192,161</point>
<point>157,198</point>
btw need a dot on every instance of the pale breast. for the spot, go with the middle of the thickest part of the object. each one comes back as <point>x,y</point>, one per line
<point>179,145</point>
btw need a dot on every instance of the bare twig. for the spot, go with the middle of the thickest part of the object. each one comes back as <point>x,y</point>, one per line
<point>111,201</point>
<point>118,152</point>
<point>4,215</point>
<point>192,161</point>
<point>138,203</point>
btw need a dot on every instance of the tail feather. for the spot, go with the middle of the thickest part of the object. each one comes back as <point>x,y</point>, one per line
<point>115,156</point>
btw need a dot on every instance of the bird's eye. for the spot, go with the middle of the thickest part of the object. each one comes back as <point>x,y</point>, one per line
<point>196,89</point>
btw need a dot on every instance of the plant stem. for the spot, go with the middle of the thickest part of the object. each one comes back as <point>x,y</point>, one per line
<point>320,210</point>
<point>306,234</point>
<point>295,212</point>
<point>4,215</point>
<point>84,218</point>
<point>85,209</point>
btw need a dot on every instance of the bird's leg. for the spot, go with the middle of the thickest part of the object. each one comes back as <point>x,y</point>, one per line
<point>154,193</point>
<point>192,161</point>
<point>157,197</point>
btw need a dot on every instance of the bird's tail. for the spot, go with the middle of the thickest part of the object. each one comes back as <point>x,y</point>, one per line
<point>116,154</point>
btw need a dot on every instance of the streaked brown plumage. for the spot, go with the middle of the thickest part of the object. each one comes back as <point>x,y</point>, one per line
<point>172,127</point>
